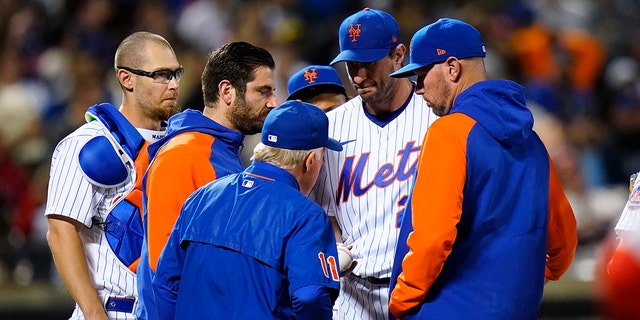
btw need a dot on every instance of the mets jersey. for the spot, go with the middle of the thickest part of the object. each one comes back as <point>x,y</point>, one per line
<point>249,246</point>
<point>366,186</point>
<point>71,194</point>
<point>629,220</point>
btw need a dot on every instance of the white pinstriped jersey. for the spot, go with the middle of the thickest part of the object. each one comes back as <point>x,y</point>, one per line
<point>630,217</point>
<point>70,194</point>
<point>366,185</point>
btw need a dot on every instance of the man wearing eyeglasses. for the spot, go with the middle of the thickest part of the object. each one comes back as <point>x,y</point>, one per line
<point>238,87</point>
<point>95,189</point>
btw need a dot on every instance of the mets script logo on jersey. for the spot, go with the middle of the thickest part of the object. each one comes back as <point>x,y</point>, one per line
<point>350,180</point>
<point>354,32</point>
<point>310,76</point>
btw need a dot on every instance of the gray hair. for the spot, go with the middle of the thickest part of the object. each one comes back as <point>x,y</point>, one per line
<point>283,158</point>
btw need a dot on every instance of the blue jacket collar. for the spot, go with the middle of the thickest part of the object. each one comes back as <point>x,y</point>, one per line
<point>194,120</point>
<point>271,172</point>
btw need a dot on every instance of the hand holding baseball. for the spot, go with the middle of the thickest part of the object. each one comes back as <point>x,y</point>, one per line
<point>345,259</point>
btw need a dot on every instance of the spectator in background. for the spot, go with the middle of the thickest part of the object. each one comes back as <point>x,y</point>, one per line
<point>318,85</point>
<point>560,66</point>
<point>622,79</point>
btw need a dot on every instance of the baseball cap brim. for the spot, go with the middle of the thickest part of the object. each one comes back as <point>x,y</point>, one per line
<point>334,145</point>
<point>362,55</point>
<point>406,71</point>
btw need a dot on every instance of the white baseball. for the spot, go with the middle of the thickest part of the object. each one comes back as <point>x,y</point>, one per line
<point>344,257</point>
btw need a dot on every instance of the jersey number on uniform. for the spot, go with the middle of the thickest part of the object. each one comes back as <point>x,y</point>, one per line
<point>329,264</point>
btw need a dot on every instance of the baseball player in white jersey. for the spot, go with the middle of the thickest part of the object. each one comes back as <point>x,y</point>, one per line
<point>95,177</point>
<point>365,188</point>
<point>630,218</point>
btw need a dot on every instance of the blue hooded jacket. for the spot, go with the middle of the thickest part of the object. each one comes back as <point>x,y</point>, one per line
<point>192,137</point>
<point>488,219</point>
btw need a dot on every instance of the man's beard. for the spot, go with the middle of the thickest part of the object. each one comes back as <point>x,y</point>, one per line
<point>382,94</point>
<point>162,113</point>
<point>244,119</point>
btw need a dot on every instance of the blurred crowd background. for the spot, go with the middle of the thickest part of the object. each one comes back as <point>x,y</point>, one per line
<point>578,59</point>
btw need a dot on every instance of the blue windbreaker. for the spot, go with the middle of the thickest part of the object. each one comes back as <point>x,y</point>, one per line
<point>249,246</point>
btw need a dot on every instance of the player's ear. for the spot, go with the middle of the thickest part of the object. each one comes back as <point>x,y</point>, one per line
<point>452,69</point>
<point>227,92</point>
<point>398,53</point>
<point>125,79</point>
<point>309,161</point>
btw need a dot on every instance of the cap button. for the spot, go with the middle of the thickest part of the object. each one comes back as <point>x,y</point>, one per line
<point>366,8</point>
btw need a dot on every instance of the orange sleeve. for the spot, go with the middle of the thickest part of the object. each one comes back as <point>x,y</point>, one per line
<point>437,207</point>
<point>135,196</point>
<point>563,238</point>
<point>141,163</point>
<point>178,170</point>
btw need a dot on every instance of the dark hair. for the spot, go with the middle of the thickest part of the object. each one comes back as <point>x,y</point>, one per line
<point>235,62</point>
<point>310,92</point>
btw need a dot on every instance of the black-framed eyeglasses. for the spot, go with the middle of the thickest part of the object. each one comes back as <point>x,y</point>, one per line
<point>160,76</point>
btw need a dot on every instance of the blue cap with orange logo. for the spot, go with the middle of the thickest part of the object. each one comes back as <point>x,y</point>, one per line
<point>367,36</point>
<point>312,77</point>
<point>440,40</point>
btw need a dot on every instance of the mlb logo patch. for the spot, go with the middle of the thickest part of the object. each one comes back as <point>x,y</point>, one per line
<point>272,138</point>
<point>247,183</point>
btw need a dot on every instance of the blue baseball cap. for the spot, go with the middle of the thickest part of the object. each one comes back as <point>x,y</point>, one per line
<point>367,36</point>
<point>296,125</point>
<point>312,77</point>
<point>440,40</point>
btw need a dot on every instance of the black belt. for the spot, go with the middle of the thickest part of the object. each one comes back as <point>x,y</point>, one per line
<point>120,304</point>
<point>374,280</point>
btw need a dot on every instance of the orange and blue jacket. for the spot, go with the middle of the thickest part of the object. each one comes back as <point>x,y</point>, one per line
<point>488,220</point>
<point>195,151</point>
